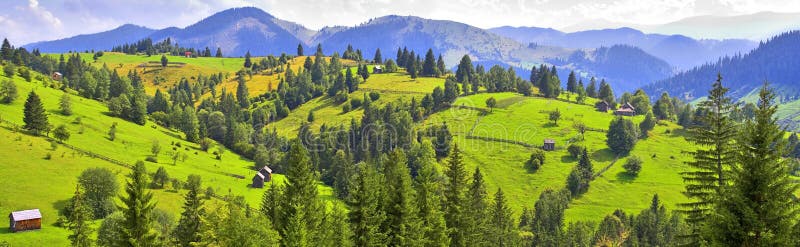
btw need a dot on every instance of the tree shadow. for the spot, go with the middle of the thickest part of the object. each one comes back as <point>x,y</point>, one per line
<point>625,177</point>
<point>568,159</point>
<point>603,155</point>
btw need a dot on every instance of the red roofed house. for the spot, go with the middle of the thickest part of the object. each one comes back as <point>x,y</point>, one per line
<point>263,175</point>
<point>188,54</point>
<point>25,220</point>
<point>625,110</point>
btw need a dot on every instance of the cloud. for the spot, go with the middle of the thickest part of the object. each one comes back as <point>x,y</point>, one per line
<point>29,21</point>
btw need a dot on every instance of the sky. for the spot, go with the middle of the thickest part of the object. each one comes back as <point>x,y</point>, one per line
<point>25,21</point>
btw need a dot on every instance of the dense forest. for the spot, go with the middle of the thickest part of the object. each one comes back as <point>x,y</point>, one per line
<point>384,171</point>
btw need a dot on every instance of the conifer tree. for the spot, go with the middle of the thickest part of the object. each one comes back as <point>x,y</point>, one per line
<point>137,210</point>
<point>299,49</point>
<point>478,209</point>
<point>757,205</point>
<point>502,231</point>
<point>247,62</point>
<point>455,204</point>
<point>242,93</point>
<point>79,220</point>
<point>35,116</point>
<point>188,229</point>
<point>464,70</point>
<point>366,215</point>
<point>427,185</point>
<point>713,158</point>
<point>219,52</point>
<point>591,89</point>
<point>378,58</point>
<point>429,66</point>
<point>572,82</point>
<point>301,207</point>
<point>401,222</point>
<point>442,68</point>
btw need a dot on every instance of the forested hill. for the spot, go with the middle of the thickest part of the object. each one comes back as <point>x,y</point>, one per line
<point>629,67</point>
<point>776,61</point>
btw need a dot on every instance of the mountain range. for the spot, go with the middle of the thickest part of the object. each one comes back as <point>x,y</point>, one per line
<point>606,53</point>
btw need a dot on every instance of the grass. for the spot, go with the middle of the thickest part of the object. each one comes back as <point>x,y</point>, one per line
<point>46,182</point>
<point>525,119</point>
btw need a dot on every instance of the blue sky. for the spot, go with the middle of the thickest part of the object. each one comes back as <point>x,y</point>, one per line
<point>24,21</point>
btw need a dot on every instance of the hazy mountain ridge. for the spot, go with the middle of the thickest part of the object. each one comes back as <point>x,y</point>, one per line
<point>127,33</point>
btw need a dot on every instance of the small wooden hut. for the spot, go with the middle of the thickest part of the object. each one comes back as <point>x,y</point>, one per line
<point>549,145</point>
<point>25,220</point>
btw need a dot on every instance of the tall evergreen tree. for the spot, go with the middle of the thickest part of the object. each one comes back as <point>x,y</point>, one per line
<point>378,58</point>
<point>711,161</point>
<point>663,109</point>
<point>188,229</point>
<point>478,210</point>
<point>137,210</point>
<point>299,49</point>
<point>301,206</point>
<point>219,52</point>
<point>503,231</point>
<point>247,62</point>
<point>427,185</point>
<point>35,116</point>
<point>366,215</point>
<point>572,82</point>
<point>464,70</point>
<point>758,207</point>
<point>455,203</point>
<point>401,223</point>
<point>441,67</point>
<point>242,93</point>
<point>591,89</point>
<point>606,93</point>
<point>79,220</point>
<point>429,66</point>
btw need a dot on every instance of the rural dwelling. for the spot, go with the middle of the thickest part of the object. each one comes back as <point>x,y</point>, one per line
<point>602,106</point>
<point>263,175</point>
<point>56,76</point>
<point>625,110</point>
<point>377,69</point>
<point>25,220</point>
<point>188,54</point>
<point>549,145</point>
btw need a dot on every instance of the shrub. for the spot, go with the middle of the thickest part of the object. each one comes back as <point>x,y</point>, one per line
<point>355,103</point>
<point>9,69</point>
<point>575,150</point>
<point>536,161</point>
<point>374,96</point>
<point>633,165</point>
<point>61,133</point>
<point>346,108</point>
<point>8,92</point>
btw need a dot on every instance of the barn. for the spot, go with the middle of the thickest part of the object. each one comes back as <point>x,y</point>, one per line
<point>263,175</point>
<point>56,76</point>
<point>377,69</point>
<point>549,145</point>
<point>602,106</point>
<point>625,110</point>
<point>187,54</point>
<point>25,220</point>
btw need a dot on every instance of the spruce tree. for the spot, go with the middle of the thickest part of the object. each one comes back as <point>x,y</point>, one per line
<point>442,68</point>
<point>188,229</point>
<point>572,82</point>
<point>455,204</point>
<point>427,185</point>
<point>464,70</point>
<point>477,210</point>
<point>366,215</point>
<point>378,58</point>
<point>591,89</point>
<point>503,231</point>
<point>137,210</point>
<point>79,220</point>
<point>401,223</point>
<point>714,157</point>
<point>299,49</point>
<point>757,206</point>
<point>301,206</point>
<point>35,116</point>
<point>242,93</point>
<point>429,66</point>
<point>247,62</point>
<point>219,52</point>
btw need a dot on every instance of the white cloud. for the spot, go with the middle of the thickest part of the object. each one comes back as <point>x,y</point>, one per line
<point>27,21</point>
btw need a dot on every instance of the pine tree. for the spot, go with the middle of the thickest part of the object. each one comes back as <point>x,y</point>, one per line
<point>455,206</point>
<point>366,215</point>
<point>378,58</point>
<point>219,52</point>
<point>299,49</point>
<point>401,222</point>
<point>714,157</point>
<point>79,220</point>
<point>427,185</point>
<point>464,70</point>
<point>247,62</point>
<point>478,209</point>
<point>35,117</point>
<point>301,206</point>
<point>503,231</point>
<point>591,89</point>
<point>572,82</point>
<point>164,61</point>
<point>429,66</point>
<point>137,209</point>
<point>188,229</point>
<point>442,68</point>
<point>758,206</point>
<point>337,228</point>
<point>242,93</point>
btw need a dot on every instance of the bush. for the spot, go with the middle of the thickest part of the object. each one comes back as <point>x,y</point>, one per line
<point>341,97</point>
<point>9,69</point>
<point>374,96</point>
<point>61,133</point>
<point>633,165</point>
<point>355,103</point>
<point>575,150</point>
<point>152,159</point>
<point>536,161</point>
<point>8,92</point>
<point>345,108</point>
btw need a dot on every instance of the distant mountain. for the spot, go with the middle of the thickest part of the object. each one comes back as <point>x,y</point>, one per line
<point>626,67</point>
<point>99,41</point>
<point>776,61</point>
<point>755,26</point>
<point>238,31</point>
<point>452,39</point>
<point>679,51</point>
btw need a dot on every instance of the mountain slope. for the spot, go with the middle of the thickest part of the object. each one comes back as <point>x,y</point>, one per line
<point>626,67</point>
<point>99,41</point>
<point>775,61</point>
<point>678,50</point>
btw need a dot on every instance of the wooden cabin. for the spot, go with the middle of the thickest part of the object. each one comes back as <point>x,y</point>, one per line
<point>187,54</point>
<point>25,220</point>
<point>56,76</point>
<point>263,175</point>
<point>625,110</point>
<point>377,69</point>
<point>549,145</point>
<point>602,106</point>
